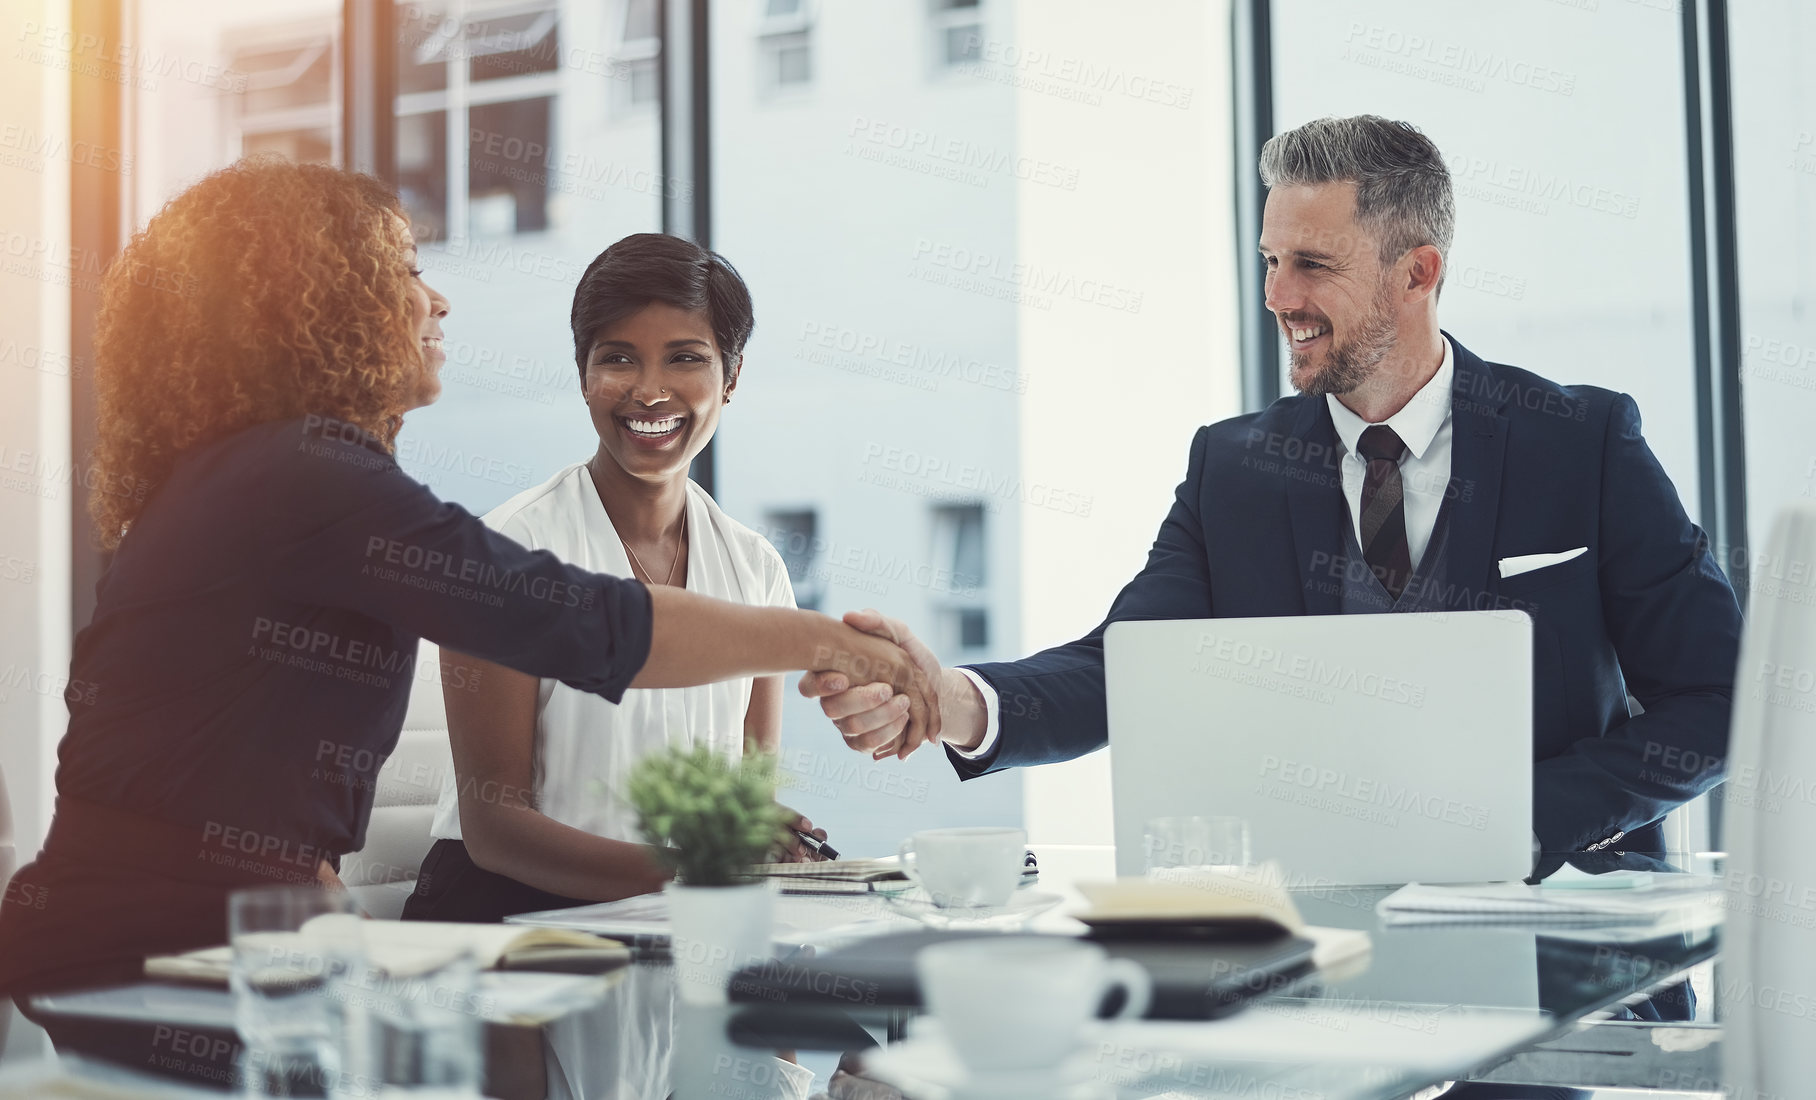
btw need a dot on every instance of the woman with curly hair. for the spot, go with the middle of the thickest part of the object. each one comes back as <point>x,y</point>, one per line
<point>254,638</point>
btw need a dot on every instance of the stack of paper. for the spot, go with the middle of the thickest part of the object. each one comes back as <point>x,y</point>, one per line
<point>1635,900</point>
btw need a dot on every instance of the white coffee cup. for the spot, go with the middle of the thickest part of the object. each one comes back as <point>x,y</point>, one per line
<point>965,868</point>
<point>1019,1002</point>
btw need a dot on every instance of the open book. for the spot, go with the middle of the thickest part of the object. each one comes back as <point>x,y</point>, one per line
<point>835,870</point>
<point>1201,901</point>
<point>842,876</point>
<point>406,948</point>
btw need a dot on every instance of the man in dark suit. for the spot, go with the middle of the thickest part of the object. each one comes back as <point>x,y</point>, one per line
<point>1407,474</point>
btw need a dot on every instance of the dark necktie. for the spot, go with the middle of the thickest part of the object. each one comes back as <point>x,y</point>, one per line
<point>1384,509</point>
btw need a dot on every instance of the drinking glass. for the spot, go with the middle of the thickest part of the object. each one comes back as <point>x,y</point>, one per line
<point>1178,846</point>
<point>292,946</point>
<point>416,1031</point>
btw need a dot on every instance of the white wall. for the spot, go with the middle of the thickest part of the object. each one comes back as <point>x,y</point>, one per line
<point>1139,103</point>
<point>36,484</point>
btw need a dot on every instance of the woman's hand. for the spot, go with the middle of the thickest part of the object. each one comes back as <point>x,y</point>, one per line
<point>859,707</point>
<point>327,879</point>
<point>851,656</point>
<point>793,850</point>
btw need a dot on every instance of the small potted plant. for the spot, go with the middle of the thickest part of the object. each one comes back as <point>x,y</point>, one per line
<point>712,820</point>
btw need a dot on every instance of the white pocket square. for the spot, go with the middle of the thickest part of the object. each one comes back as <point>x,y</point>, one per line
<point>1526,563</point>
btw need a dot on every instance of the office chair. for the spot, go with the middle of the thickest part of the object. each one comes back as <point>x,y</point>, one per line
<point>381,875</point>
<point>1769,944</point>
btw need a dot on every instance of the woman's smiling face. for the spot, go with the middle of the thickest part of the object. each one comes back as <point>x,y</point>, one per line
<point>655,383</point>
<point>427,308</point>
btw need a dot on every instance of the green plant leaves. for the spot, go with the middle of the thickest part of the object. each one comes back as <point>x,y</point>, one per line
<point>710,818</point>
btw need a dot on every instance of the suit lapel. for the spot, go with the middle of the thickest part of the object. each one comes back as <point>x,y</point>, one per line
<point>1315,501</point>
<point>1478,448</point>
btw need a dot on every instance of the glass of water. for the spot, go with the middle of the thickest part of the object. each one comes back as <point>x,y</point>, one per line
<point>1177,847</point>
<point>292,947</point>
<point>417,1030</point>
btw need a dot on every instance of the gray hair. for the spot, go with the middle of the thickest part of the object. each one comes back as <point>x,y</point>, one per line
<point>1403,190</point>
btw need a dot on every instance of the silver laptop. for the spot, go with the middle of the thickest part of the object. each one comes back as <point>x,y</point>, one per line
<point>1362,749</point>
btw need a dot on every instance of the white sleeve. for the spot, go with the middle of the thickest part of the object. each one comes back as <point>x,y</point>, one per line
<point>781,589</point>
<point>991,725</point>
<point>515,527</point>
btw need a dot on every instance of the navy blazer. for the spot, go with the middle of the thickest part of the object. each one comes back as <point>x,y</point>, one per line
<point>1256,528</point>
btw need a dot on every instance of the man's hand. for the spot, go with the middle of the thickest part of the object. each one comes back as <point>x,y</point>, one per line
<point>874,719</point>
<point>865,651</point>
<point>793,851</point>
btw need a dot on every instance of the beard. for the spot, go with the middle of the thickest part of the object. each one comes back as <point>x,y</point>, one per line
<point>1351,363</point>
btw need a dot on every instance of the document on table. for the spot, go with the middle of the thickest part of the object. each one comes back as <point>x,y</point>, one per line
<point>643,920</point>
<point>1515,902</point>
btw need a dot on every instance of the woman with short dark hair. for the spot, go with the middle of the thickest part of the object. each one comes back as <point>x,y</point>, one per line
<point>659,328</point>
<point>249,661</point>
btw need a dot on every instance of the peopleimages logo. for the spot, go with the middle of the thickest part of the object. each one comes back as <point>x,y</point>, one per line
<point>1316,673</point>
<point>1323,783</point>
<point>1464,65</point>
<point>930,475</point>
<point>1039,280</point>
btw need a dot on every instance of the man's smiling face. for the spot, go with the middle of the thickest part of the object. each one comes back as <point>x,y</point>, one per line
<point>1327,286</point>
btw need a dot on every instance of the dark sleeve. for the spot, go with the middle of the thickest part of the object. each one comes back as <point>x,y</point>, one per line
<point>1675,627</point>
<point>1050,706</point>
<point>352,530</point>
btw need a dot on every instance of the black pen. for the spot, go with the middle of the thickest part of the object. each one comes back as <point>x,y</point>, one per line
<point>815,845</point>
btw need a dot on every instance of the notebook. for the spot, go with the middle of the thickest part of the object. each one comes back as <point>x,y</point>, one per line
<point>1203,903</point>
<point>403,948</point>
<point>852,876</point>
<point>1192,980</point>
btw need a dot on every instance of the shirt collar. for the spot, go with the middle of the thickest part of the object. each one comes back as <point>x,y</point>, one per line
<point>1416,424</point>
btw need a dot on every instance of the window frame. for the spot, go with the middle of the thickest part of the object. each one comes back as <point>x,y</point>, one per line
<point>943,18</point>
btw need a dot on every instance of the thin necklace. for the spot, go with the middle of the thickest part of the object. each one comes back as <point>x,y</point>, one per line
<point>670,579</point>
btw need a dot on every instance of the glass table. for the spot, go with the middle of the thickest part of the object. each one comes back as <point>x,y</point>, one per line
<point>1428,1004</point>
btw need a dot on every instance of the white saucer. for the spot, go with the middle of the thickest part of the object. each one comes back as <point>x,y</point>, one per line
<point>926,1059</point>
<point>1023,905</point>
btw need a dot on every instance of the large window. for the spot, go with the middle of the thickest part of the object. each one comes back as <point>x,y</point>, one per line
<point>1571,256</point>
<point>221,80</point>
<point>785,46</point>
<point>957,267</point>
<point>1774,115</point>
<point>482,84</point>
<point>975,232</point>
<point>958,31</point>
<point>288,100</point>
<point>519,162</point>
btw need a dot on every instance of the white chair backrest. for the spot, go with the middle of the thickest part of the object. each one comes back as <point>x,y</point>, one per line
<point>1769,939</point>
<point>413,774</point>
<point>403,804</point>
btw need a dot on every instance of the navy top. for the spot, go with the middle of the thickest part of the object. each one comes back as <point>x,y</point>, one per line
<point>255,638</point>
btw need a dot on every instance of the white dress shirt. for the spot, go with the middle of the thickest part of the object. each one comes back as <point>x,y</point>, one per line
<point>1423,425</point>
<point>586,746</point>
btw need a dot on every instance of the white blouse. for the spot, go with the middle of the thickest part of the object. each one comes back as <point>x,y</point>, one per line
<point>585,747</point>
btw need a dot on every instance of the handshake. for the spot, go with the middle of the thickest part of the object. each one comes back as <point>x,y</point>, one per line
<point>899,709</point>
